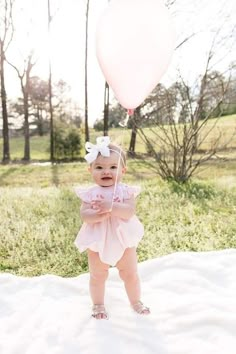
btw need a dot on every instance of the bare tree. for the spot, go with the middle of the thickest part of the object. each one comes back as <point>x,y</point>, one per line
<point>172,143</point>
<point>24,77</point>
<point>50,17</point>
<point>134,121</point>
<point>50,94</point>
<point>106,109</point>
<point>182,138</point>
<point>6,35</point>
<point>170,3</point>
<point>86,73</point>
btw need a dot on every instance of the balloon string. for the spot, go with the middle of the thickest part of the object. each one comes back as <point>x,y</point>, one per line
<point>123,125</point>
<point>124,122</point>
<point>115,186</point>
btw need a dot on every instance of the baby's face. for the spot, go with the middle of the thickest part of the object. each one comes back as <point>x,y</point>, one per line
<point>105,169</point>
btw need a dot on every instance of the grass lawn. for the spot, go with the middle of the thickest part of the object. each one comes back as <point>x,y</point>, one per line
<point>39,217</point>
<point>39,148</point>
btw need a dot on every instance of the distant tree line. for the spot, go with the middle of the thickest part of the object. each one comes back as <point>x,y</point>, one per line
<point>218,93</point>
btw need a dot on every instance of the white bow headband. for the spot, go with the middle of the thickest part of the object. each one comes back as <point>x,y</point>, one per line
<point>101,147</point>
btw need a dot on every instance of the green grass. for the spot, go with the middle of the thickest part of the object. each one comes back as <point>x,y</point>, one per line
<point>39,148</point>
<point>37,229</point>
<point>64,174</point>
<point>38,225</point>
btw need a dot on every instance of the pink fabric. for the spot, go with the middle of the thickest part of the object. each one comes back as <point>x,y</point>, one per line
<point>112,236</point>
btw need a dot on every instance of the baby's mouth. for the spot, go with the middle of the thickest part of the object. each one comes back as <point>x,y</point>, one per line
<point>106,178</point>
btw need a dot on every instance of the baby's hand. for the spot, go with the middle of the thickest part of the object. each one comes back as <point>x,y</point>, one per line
<point>102,206</point>
<point>102,216</point>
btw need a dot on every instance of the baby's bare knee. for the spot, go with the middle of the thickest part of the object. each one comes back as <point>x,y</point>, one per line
<point>128,276</point>
<point>99,276</point>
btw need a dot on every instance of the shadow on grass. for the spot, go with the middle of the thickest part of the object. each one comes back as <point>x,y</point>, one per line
<point>5,175</point>
<point>140,167</point>
<point>55,178</point>
<point>193,190</point>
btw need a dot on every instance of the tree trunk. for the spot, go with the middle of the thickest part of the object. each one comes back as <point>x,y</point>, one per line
<point>50,92</point>
<point>86,76</point>
<point>133,138</point>
<point>51,114</point>
<point>132,143</point>
<point>40,121</point>
<point>26,128</point>
<point>198,112</point>
<point>6,147</point>
<point>106,109</point>
<point>26,115</point>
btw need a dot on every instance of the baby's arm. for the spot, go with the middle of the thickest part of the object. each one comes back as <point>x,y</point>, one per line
<point>123,210</point>
<point>90,215</point>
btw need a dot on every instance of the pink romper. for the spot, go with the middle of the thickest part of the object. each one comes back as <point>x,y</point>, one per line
<point>112,236</point>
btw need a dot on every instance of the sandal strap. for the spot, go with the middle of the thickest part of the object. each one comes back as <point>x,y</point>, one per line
<point>139,307</point>
<point>99,309</point>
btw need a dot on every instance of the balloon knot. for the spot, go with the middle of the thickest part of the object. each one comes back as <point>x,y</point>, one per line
<point>130,112</point>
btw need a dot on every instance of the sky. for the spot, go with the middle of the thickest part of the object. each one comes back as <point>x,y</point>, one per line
<point>67,41</point>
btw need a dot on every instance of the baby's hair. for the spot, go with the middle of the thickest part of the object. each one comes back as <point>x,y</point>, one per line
<point>117,149</point>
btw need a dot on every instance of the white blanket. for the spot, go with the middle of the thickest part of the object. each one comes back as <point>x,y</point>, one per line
<point>192,297</point>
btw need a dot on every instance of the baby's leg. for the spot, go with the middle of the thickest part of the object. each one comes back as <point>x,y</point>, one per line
<point>98,276</point>
<point>128,271</point>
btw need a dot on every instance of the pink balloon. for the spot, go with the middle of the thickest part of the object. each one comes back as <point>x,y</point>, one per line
<point>134,45</point>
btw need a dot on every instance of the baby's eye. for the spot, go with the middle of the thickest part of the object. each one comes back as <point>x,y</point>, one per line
<point>98,168</point>
<point>113,167</point>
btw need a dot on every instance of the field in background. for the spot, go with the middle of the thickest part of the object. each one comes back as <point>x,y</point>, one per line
<point>40,146</point>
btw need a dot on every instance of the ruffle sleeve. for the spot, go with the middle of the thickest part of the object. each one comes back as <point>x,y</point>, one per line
<point>84,194</point>
<point>131,191</point>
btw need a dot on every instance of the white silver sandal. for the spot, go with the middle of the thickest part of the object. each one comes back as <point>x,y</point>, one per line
<point>99,312</point>
<point>140,308</point>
